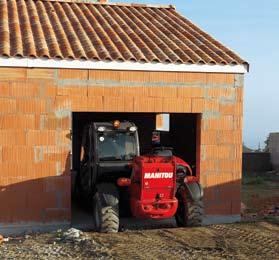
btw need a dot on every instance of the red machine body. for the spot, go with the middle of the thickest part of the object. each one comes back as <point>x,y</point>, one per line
<point>153,187</point>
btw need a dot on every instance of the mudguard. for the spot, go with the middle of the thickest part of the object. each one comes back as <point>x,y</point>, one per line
<point>194,190</point>
<point>108,194</point>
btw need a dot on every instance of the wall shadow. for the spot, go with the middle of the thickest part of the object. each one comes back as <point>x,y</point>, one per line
<point>40,200</point>
<point>223,199</point>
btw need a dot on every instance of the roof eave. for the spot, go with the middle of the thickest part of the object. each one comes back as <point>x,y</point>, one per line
<point>127,66</point>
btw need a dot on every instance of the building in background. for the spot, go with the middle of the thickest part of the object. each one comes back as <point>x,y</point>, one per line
<point>273,149</point>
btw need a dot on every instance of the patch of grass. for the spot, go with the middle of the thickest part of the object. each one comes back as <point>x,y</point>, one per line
<point>258,180</point>
<point>272,219</point>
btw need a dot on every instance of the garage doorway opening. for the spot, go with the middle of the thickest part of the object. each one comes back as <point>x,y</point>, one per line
<point>183,136</point>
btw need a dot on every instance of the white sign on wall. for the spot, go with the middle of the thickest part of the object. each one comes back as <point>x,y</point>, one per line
<point>163,122</point>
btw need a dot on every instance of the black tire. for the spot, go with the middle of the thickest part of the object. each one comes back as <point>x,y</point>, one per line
<point>189,212</point>
<point>106,210</point>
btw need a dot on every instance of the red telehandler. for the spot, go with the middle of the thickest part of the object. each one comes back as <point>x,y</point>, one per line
<point>114,178</point>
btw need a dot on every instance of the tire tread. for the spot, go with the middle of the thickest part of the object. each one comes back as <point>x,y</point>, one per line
<point>108,215</point>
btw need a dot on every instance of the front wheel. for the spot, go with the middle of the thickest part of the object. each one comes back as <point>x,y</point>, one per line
<point>189,212</point>
<point>106,214</point>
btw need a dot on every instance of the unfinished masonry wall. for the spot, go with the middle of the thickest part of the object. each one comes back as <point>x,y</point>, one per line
<point>35,131</point>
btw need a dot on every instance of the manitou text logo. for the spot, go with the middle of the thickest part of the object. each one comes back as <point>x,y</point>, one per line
<point>158,175</point>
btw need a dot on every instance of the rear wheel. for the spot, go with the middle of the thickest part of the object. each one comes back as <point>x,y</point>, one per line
<point>189,212</point>
<point>106,210</point>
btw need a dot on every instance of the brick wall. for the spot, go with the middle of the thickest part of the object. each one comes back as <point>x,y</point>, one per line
<point>35,122</point>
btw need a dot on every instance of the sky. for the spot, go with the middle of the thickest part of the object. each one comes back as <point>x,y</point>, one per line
<point>251,29</point>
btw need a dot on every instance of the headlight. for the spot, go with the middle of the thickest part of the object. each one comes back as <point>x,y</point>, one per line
<point>101,129</point>
<point>133,128</point>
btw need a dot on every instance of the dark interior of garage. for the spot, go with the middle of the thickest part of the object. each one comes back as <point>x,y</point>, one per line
<point>182,135</point>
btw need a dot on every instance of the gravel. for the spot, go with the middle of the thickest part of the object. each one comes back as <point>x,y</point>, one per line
<point>71,244</point>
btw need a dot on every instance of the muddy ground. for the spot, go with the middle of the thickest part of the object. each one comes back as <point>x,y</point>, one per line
<point>255,238</point>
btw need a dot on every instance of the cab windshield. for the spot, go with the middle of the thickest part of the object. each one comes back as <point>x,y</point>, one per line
<point>114,146</point>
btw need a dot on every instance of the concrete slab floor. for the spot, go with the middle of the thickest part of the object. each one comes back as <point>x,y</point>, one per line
<point>82,219</point>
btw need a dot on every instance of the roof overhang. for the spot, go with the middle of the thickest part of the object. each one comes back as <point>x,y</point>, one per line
<point>127,66</point>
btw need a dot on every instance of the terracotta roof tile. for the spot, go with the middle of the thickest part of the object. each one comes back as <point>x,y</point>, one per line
<point>65,29</point>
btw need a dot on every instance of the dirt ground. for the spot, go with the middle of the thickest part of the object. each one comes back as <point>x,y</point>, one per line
<point>260,195</point>
<point>258,240</point>
<point>257,237</point>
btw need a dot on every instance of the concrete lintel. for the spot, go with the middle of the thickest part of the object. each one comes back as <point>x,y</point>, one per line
<point>221,219</point>
<point>117,83</point>
<point>32,227</point>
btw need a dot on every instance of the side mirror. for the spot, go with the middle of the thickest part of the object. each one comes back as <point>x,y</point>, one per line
<point>181,173</point>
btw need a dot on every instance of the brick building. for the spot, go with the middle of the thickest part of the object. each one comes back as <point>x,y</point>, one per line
<point>64,63</point>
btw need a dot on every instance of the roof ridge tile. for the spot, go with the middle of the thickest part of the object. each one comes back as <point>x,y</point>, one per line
<point>118,4</point>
